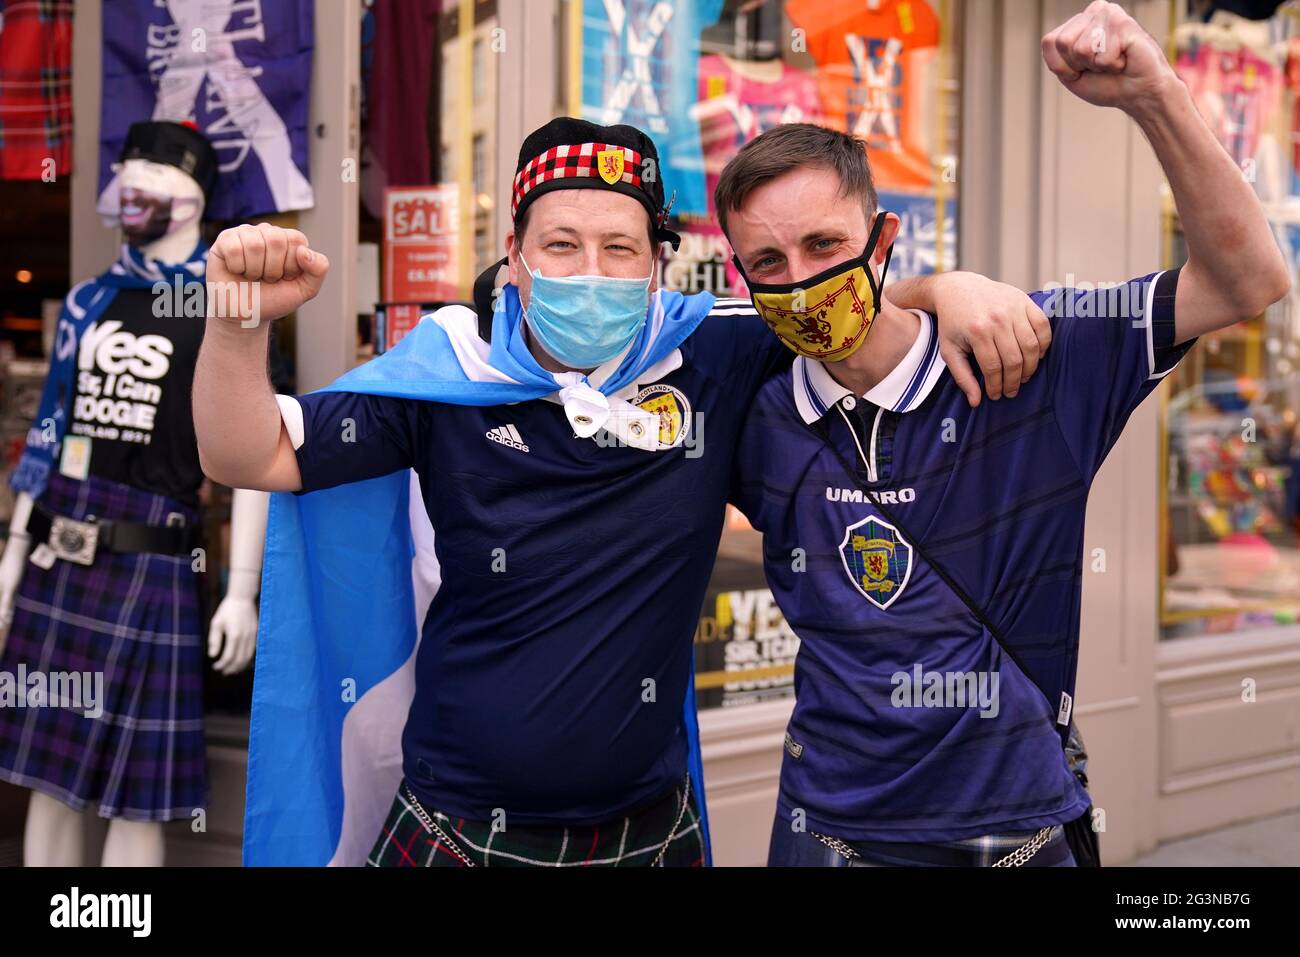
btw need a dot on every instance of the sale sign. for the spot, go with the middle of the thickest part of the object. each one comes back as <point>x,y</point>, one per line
<point>420,232</point>
<point>398,320</point>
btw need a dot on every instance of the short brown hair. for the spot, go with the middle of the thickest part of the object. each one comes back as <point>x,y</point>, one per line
<point>792,146</point>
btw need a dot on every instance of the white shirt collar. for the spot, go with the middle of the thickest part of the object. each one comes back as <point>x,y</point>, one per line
<point>902,390</point>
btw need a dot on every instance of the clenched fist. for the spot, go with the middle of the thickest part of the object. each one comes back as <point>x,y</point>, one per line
<point>1105,58</point>
<point>262,272</point>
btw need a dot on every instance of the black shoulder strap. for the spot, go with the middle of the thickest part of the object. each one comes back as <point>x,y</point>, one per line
<point>484,286</point>
<point>1063,729</point>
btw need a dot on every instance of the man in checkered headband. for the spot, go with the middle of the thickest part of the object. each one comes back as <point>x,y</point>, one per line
<point>588,209</point>
<point>555,432</point>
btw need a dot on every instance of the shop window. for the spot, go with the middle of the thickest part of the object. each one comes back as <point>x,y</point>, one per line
<point>429,131</point>
<point>1231,516</point>
<point>480,163</point>
<point>479,84</point>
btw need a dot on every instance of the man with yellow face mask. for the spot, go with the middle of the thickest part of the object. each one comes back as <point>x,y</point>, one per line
<point>827,316</point>
<point>557,434</point>
<point>928,553</point>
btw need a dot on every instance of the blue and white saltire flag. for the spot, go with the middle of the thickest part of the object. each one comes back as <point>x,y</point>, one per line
<point>239,69</point>
<point>348,575</point>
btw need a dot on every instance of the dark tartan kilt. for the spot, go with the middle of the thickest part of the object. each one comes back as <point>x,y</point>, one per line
<point>630,841</point>
<point>135,619</point>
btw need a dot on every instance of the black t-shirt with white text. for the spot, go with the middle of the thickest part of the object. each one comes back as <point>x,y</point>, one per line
<point>135,371</point>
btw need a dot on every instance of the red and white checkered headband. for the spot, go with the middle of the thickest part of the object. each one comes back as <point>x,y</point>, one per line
<point>613,164</point>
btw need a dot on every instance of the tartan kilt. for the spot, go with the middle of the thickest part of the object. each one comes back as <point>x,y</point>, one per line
<point>633,840</point>
<point>134,618</point>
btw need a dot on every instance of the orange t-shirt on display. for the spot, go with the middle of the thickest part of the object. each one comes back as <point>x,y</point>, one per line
<point>875,73</point>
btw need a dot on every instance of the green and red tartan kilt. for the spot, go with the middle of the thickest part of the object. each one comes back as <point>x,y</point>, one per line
<point>631,841</point>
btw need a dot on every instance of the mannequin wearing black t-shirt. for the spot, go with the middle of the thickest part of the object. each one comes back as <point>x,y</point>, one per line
<point>132,403</point>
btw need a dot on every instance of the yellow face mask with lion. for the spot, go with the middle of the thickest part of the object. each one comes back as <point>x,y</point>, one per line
<point>828,316</point>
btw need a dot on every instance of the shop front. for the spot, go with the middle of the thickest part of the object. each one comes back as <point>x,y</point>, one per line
<point>1189,690</point>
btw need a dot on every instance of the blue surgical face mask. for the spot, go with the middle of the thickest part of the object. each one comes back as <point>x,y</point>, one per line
<point>583,321</point>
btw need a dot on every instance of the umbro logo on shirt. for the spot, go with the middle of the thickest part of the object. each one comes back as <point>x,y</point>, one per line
<point>856,495</point>
<point>507,435</point>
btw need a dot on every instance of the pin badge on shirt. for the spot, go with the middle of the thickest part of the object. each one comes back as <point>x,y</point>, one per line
<point>74,461</point>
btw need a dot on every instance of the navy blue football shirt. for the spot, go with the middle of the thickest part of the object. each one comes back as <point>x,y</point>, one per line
<point>573,572</point>
<point>910,723</point>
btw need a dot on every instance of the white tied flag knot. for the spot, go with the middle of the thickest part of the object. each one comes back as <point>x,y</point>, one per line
<point>589,410</point>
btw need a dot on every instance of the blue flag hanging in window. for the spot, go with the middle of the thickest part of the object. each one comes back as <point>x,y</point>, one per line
<point>239,70</point>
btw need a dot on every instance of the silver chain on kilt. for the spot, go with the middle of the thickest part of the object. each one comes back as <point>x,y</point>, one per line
<point>681,813</point>
<point>432,827</point>
<point>1021,854</point>
<point>1016,858</point>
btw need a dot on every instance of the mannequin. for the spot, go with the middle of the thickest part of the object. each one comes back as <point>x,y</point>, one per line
<point>161,212</point>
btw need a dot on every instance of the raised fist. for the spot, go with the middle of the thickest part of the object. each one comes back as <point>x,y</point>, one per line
<point>1104,57</point>
<point>262,272</point>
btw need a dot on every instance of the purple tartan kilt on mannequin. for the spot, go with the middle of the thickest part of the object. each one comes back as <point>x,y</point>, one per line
<point>134,619</point>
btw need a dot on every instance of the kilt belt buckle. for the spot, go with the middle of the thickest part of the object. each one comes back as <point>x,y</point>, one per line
<point>74,541</point>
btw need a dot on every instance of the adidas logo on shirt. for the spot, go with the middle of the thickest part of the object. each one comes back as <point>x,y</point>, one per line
<point>507,435</point>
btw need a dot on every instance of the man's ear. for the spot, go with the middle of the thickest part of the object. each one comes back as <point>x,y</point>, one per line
<point>194,210</point>
<point>657,264</point>
<point>888,233</point>
<point>512,255</point>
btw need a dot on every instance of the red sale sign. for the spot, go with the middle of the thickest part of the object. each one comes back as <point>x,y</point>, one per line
<point>399,319</point>
<point>420,230</point>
